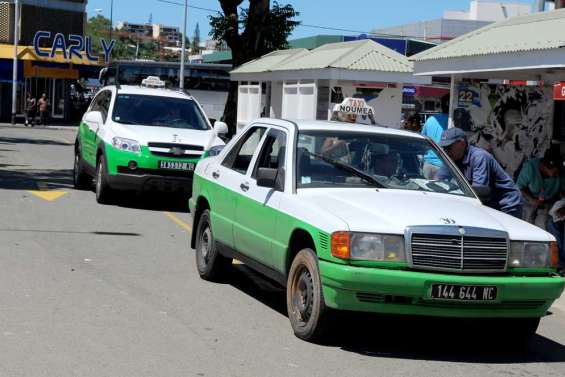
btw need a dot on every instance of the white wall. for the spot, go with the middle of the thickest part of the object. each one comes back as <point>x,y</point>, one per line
<point>276,99</point>
<point>212,102</point>
<point>489,11</point>
<point>299,100</point>
<point>248,104</point>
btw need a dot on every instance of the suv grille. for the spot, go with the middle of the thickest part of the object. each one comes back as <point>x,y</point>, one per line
<point>469,252</point>
<point>175,150</point>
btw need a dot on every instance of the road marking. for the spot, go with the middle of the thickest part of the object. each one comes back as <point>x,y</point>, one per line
<point>46,194</point>
<point>179,222</point>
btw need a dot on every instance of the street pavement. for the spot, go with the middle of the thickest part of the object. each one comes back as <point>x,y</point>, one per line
<point>112,290</point>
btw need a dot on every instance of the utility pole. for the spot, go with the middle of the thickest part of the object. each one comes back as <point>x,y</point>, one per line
<point>111,18</point>
<point>15,68</point>
<point>183,51</point>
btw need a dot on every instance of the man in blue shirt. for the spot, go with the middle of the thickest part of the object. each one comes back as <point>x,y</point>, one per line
<point>434,128</point>
<point>481,169</point>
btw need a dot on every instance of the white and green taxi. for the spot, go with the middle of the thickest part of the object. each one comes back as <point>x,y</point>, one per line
<point>142,138</point>
<point>342,216</point>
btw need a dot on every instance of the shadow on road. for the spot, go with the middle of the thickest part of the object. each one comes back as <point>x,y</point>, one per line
<point>152,201</point>
<point>29,179</point>
<point>408,337</point>
<point>25,140</point>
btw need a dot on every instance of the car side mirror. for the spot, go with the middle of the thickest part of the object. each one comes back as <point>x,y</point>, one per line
<point>220,128</point>
<point>267,177</point>
<point>484,193</point>
<point>94,117</point>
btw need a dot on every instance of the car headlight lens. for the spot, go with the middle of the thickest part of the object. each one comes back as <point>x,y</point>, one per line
<point>126,144</point>
<point>215,150</point>
<point>532,254</point>
<point>368,246</point>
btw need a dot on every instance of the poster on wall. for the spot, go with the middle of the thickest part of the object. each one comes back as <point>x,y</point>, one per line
<point>514,123</point>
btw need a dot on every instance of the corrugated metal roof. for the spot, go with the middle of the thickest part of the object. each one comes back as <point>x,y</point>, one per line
<point>267,62</point>
<point>364,55</point>
<point>539,31</point>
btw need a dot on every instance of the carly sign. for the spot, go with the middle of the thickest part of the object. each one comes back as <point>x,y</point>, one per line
<point>73,47</point>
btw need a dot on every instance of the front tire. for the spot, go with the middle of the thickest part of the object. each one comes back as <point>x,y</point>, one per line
<point>103,190</point>
<point>210,263</point>
<point>81,180</point>
<point>307,310</point>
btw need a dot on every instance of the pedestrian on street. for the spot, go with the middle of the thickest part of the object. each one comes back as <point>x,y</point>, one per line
<point>434,128</point>
<point>541,184</point>
<point>481,169</point>
<point>29,110</point>
<point>43,104</point>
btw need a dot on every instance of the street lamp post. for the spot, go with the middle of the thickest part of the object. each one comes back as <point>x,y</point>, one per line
<point>15,67</point>
<point>111,18</point>
<point>183,52</point>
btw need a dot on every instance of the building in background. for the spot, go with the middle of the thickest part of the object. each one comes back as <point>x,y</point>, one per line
<point>57,76</point>
<point>168,36</point>
<point>456,23</point>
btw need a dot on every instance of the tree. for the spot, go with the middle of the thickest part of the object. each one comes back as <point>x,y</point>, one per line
<point>250,33</point>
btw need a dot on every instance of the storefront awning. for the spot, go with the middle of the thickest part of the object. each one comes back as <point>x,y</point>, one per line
<point>28,53</point>
<point>530,47</point>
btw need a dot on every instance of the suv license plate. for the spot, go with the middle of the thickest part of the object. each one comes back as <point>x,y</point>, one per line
<point>463,292</point>
<point>176,165</point>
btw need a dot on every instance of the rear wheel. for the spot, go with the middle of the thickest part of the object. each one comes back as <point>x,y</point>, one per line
<point>103,190</point>
<point>210,263</point>
<point>307,310</point>
<point>81,179</point>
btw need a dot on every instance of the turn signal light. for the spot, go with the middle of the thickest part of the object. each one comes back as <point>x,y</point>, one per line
<point>554,254</point>
<point>340,245</point>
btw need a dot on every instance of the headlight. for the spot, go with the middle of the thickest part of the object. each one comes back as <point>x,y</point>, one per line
<point>215,150</point>
<point>533,254</point>
<point>368,246</point>
<point>126,144</point>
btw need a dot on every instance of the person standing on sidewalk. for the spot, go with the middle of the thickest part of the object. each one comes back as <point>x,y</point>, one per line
<point>481,169</point>
<point>29,110</point>
<point>434,128</point>
<point>43,104</point>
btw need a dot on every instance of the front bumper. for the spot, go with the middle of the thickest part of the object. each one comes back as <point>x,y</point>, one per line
<point>147,180</point>
<point>408,292</point>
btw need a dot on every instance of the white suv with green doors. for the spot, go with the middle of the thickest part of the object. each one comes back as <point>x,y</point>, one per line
<point>140,138</point>
<point>343,216</point>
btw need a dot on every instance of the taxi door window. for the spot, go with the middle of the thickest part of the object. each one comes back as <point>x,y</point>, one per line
<point>239,158</point>
<point>273,154</point>
<point>102,103</point>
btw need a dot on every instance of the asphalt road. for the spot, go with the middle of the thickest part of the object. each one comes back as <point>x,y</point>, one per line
<point>93,290</point>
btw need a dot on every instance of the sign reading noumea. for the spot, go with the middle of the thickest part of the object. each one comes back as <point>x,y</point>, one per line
<point>354,110</point>
<point>74,47</point>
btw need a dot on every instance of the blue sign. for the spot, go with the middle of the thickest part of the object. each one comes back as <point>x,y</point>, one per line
<point>409,90</point>
<point>74,47</point>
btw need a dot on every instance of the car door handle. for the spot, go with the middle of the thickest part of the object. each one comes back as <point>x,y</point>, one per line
<point>244,186</point>
<point>216,175</point>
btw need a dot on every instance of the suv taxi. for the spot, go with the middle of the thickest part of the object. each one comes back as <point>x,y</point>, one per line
<point>142,138</point>
<point>343,216</point>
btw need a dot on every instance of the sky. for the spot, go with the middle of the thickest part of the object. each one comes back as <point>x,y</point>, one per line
<point>355,15</point>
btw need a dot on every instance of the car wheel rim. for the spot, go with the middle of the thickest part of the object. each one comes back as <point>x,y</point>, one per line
<point>303,295</point>
<point>205,244</point>
<point>99,179</point>
<point>75,172</point>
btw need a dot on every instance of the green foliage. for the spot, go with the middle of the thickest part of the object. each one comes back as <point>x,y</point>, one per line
<point>279,24</point>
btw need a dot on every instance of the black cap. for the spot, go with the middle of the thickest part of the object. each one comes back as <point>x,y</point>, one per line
<point>451,136</point>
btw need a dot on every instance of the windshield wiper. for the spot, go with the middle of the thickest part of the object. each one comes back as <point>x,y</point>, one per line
<point>350,169</point>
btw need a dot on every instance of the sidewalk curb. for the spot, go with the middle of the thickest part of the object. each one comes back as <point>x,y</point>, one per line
<point>21,126</point>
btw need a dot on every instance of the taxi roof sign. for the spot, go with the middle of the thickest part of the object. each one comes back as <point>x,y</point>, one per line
<point>153,82</point>
<point>354,110</point>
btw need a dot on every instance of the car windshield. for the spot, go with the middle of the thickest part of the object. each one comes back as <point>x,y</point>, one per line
<point>360,159</point>
<point>158,111</point>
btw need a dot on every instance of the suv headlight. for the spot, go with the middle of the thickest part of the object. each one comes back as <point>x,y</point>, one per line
<point>533,254</point>
<point>368,246</point>
<point>126,144</point>
<point>215,150</point>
